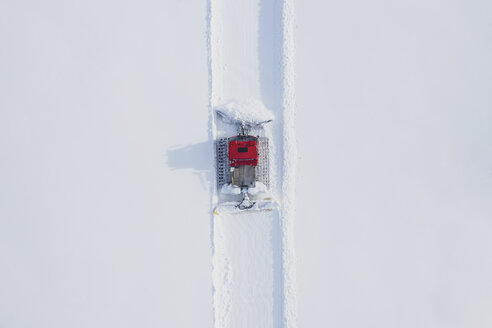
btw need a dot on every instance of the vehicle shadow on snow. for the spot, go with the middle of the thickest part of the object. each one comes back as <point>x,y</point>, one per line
<point>197,158</point>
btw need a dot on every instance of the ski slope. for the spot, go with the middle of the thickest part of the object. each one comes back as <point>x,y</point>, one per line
<point>107,168</point>
<point>249,262</point>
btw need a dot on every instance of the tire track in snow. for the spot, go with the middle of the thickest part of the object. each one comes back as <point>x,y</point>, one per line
<point>289,298</point>
<point>251,57</point>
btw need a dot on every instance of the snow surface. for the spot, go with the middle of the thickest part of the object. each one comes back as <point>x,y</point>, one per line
<point>104,165</point>
<point>247,270</point>
<point>394,196</point>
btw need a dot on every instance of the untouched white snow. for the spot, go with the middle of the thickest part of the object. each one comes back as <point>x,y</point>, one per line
<point>104,165</point>
<point>394,195</point>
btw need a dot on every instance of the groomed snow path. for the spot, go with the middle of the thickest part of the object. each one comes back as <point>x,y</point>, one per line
<point>250,58</point>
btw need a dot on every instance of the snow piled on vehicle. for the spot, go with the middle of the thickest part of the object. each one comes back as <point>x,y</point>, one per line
<point>246,111</point>
<point>229,189</point>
